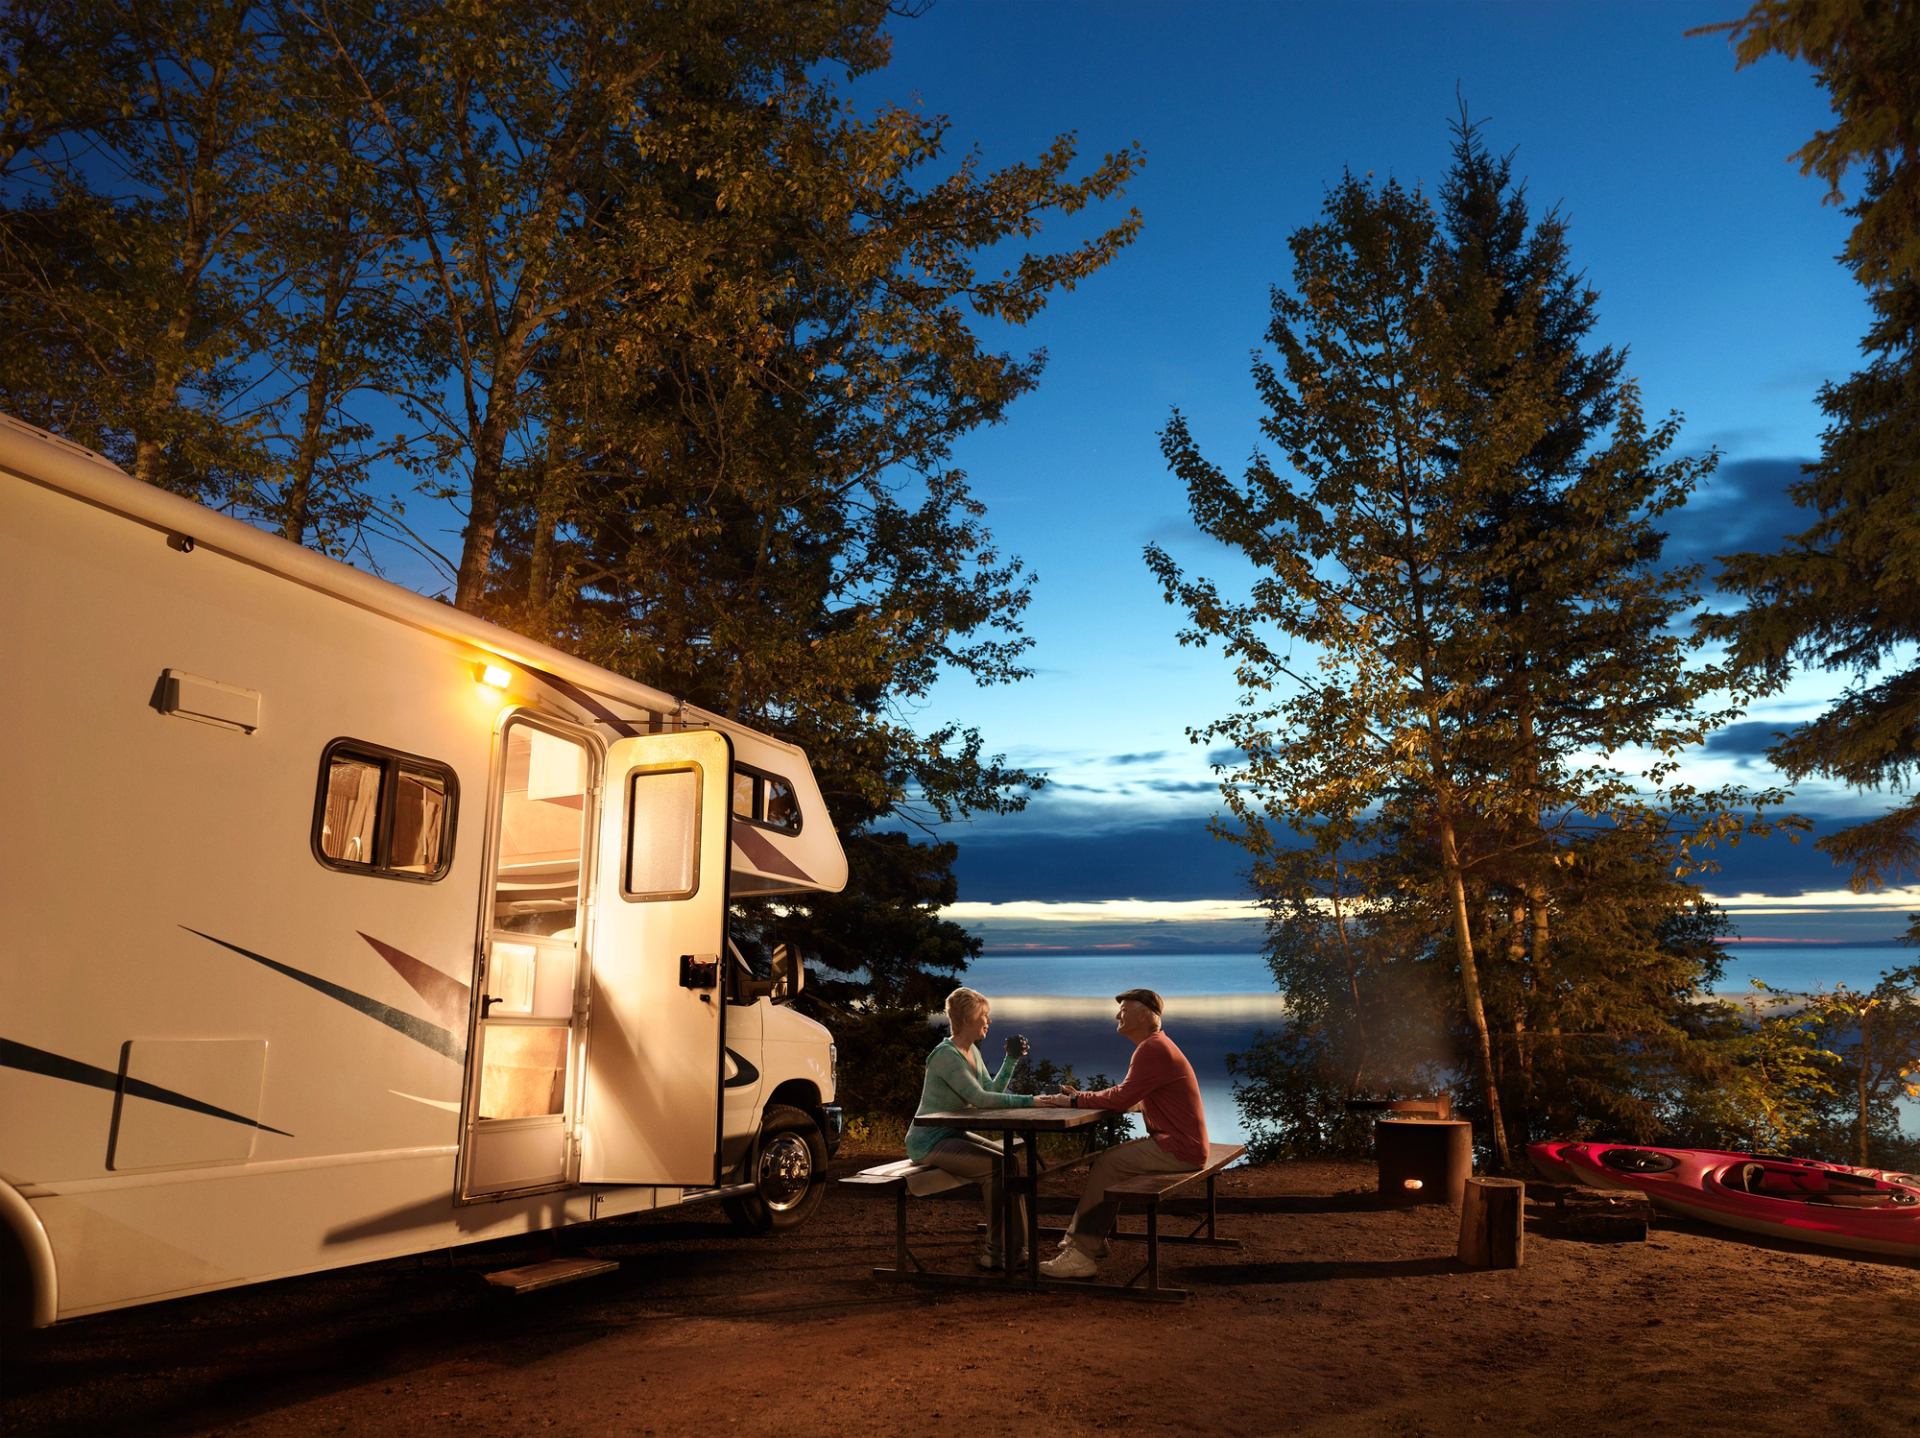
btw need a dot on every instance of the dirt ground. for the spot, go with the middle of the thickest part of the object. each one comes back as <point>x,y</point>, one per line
<point>1337,1317</point>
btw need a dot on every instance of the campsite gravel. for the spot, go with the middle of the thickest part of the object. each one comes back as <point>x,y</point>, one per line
<point>1338,1317</point>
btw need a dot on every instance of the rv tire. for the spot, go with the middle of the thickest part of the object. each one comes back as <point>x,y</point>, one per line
<point>787,1166</point>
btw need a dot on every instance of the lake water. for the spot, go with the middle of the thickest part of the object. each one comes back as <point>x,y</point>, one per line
<point>1217,1003</point>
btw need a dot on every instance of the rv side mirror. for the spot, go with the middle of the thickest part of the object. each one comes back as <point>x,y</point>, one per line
<point>789,973</point>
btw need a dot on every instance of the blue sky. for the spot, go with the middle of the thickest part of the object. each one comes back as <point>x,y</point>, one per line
<point>1712,255</point>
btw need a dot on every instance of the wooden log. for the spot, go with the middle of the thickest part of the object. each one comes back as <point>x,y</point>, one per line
<point>1493,1223</point>
<point>1605,1215</point>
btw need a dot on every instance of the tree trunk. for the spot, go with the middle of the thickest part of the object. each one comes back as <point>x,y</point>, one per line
<point>1866,1059</point>
<point>299,495</point>
<point>1470,988</point>
<point>483,514</point>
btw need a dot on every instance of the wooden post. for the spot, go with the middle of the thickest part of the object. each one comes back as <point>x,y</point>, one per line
<point>1492,1223</point>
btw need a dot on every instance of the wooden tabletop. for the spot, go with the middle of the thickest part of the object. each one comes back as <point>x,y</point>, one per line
<point>1015,1120</point>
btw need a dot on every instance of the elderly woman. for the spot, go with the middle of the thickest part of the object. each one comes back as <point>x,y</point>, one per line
<point>958,1078</point>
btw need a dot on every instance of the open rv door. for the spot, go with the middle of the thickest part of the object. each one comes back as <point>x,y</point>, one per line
<point>655,1030</point>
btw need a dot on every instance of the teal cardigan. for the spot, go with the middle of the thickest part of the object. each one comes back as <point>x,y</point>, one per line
<point>952,1082</point>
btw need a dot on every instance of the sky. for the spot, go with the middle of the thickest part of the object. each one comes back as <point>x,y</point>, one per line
<point>1713,257</point>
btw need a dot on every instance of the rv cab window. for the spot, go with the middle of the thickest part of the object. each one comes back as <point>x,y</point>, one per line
<point>383,812</point>
<point>765,799</point>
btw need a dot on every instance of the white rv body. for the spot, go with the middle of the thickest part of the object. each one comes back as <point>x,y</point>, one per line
<point>348,926</point>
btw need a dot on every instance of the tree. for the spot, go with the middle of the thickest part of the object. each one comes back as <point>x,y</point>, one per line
<point>752,502</point>
<point>131,277</point>
<point>1844,594</point>
<point>1468,565</point>
<point>1876,1038</point>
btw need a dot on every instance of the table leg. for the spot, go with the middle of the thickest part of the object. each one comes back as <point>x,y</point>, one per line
<point>1033,1208</point>
<point>1009,1202</point>
<point>1153,1248</point>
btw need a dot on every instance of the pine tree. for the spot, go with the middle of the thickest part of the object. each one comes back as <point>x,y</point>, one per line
<point>1844,594</point>
<point>1465,574</point>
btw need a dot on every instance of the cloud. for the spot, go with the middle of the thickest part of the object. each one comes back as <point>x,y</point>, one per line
<point>1743,507</point>
<point>1226,758</point>
<point>1152,841</point>
<point>1169,859</point>
<point>1153,758</point>
<point>1746,741</point>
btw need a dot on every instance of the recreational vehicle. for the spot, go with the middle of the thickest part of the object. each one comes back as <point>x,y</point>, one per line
<point>349,926</point>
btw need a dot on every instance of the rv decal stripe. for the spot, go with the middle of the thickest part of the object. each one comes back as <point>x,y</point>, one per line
<point>623,727</point>
<point>445,995</point>
<point>441,1041</point>
<point>762,854</point>
<point>49,1065</point>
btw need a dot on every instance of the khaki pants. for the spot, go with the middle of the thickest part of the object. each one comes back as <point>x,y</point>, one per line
<point>978,1161</point>
<point>1093,1219</point>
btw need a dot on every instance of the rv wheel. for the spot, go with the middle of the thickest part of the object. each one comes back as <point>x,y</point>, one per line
<point>787,1168</point>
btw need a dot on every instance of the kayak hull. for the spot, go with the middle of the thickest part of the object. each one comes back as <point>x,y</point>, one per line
<point>1834,1205</point>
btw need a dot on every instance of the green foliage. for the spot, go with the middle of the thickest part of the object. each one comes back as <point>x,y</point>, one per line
<point>1770,1074</point>
<point>1867,55</point>
<point>883,1055</point>
<point>133,283</point>
<point>1875,1037</point>
<point>1844,594</point>
<point>1042,1075</point>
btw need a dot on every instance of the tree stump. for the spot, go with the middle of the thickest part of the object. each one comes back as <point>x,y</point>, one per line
<point>1492,1223</point>
<point>1606,1215</point>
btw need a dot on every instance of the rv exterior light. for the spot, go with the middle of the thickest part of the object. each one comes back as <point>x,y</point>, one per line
<point>495,677</point>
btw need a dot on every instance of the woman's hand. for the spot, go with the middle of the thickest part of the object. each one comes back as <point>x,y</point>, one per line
<point>1053,1100</point>
<point>1016,1046</point>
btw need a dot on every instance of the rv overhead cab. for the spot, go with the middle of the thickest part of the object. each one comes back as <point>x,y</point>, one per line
<point>358,926</point>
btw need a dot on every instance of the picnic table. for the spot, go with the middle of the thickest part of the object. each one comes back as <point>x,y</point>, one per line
<point>1011,1123</point>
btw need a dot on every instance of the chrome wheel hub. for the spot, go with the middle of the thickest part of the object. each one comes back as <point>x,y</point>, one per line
<point>786,1171</point>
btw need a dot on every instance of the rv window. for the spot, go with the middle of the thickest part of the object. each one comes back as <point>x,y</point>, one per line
<point>663,834</point>
<point>419,801</point>
<point>783,809</point>
<point>348,809</point>
<point>383,812</point>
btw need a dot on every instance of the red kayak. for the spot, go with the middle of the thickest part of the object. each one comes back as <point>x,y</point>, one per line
<point>1868,1210</point>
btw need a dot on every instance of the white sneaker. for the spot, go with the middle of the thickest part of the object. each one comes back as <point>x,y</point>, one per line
<point>1070,1263</point>
<point>1100,1250</point>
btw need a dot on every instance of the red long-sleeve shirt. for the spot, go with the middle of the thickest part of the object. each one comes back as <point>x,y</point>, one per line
<point>1162,1082</point>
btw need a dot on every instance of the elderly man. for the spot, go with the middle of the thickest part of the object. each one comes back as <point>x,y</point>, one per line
<point>1162,1082</point>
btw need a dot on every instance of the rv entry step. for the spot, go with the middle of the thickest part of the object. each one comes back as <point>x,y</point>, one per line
<point>533,1276</point>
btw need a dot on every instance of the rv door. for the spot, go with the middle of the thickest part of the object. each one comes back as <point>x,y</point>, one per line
<point>655,1029</point>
